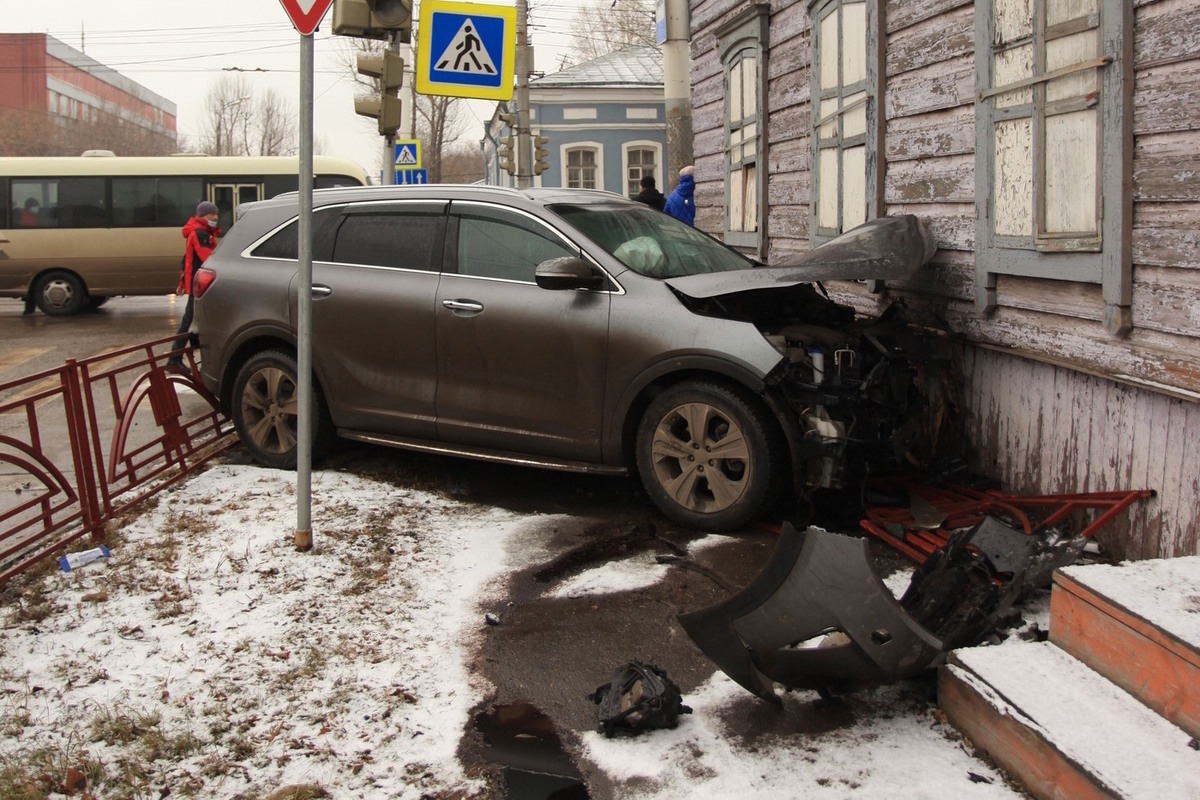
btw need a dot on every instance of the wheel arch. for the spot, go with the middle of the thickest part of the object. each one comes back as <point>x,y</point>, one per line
<point>251,345</point>
<point>636,398</point>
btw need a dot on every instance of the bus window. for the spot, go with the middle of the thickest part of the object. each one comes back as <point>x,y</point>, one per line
<point>228,197</point>
<point>334,181</point>
<point>59,203</point>
<point>154,202</point>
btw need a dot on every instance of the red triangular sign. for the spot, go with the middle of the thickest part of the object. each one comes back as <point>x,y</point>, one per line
<point>306,15</point>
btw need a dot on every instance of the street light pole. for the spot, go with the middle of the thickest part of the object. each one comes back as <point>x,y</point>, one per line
<point>677,90</point>
<point>524,65</point>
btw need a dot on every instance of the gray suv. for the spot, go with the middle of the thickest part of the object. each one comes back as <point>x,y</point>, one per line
<point>573,330</point>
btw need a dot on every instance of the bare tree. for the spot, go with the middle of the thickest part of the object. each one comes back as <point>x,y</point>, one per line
<point>439,125</point>
<point>276,124</point>
<point>236,123</point>
<point>462,163</point>
<point>228,109</point>
<point>605,26</point>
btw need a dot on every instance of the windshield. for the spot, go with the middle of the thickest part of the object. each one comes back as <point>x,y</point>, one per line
<point>650,242</point>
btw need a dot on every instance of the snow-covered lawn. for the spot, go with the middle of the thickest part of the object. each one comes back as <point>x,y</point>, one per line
<point>208,658</point>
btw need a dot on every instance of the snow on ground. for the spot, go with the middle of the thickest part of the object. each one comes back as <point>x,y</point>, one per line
<point>210,658</point>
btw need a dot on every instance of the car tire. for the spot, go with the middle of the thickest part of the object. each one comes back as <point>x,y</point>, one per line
<point>265,407</point>
<point>60,293</point>
<point>732,485</point>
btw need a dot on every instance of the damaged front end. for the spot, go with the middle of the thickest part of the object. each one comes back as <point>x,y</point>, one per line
<point>867,395</point>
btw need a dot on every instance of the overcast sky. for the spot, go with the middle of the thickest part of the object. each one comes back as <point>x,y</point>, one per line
<point>180,49</point>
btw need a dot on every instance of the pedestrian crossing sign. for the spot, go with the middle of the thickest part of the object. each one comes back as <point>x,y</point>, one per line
<point>408,153</point>
<point>466,50</point>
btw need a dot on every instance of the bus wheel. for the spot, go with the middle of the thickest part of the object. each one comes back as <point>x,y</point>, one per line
<point>60,293</point>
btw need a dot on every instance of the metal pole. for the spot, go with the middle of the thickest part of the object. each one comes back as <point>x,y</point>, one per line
<point>524,65</point>
<point>304,383</point>
<point>389,141</point>
<point>677,91</point>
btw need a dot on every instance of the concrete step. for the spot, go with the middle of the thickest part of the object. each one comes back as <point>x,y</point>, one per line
<point>1137,624</point>
<point>1061,729</point>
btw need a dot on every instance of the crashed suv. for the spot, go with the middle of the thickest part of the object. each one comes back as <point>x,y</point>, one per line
<point>572,330</point>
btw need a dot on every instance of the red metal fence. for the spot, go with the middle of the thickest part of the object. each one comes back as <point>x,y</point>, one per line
<point>84,442</point>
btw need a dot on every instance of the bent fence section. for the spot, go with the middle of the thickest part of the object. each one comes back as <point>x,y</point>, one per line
<point>83,443</point>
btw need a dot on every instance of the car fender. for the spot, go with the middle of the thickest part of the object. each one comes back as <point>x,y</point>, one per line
<point>668,370</point>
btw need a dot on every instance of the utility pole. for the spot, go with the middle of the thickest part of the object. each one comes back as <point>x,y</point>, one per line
<point>677,89</point>
<point>524,59</point>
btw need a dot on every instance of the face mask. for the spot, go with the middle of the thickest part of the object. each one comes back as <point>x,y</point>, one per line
<point>212,223</point>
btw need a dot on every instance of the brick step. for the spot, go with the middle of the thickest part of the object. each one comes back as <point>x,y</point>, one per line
<point>1138,625</point>
<point>1062,730</point>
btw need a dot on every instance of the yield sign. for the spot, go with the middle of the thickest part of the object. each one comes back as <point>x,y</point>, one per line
<point>306,15</point>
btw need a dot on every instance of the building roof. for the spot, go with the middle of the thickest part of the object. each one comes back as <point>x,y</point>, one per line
<point>634,66</point>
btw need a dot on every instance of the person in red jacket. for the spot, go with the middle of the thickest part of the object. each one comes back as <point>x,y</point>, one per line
<point>200,234</point>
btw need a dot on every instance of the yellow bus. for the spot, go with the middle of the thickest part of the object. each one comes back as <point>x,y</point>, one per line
<point>75,231</point>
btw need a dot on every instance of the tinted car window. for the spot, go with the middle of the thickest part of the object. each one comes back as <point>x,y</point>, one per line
<point>408,239</point>
<point>490,246</point>
<point>650,242</point>
<point>285,242</point>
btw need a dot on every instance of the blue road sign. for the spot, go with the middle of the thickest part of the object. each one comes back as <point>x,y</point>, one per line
<point>410,177</point>
<point>408,154</point>
<point>468,50</point>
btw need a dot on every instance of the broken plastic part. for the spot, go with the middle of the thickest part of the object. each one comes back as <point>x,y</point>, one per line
<point>815,582</point>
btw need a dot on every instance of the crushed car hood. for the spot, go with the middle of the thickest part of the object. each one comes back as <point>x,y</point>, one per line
<point>888,248</point>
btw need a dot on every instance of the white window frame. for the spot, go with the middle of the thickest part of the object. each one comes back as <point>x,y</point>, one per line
<point>565,151</point>
<point>658,162</point>
<point>846,121</point>
<point>1104,257</point>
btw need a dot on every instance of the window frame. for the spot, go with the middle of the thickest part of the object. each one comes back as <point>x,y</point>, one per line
<point>629,147</point>
<point>1110,262</point>
<point>746,34</point>
<point>596,148</point>
<point>871,139</point>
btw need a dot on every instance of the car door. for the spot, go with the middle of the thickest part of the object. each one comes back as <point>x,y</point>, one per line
<point>373,322</point>
<point>520,368</point>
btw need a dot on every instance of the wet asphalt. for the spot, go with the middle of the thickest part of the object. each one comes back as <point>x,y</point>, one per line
<point>544,655</point>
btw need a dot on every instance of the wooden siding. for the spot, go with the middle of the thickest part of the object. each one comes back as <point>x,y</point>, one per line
<point>1067,406</point>
<point>1046,428</point>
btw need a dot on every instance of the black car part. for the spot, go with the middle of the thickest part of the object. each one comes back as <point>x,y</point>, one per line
<point>639,696</point>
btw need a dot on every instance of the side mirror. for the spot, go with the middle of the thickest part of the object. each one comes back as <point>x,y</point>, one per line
<point>568,272</point>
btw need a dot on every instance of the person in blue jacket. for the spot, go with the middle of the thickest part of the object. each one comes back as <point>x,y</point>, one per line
<point>682,204</point>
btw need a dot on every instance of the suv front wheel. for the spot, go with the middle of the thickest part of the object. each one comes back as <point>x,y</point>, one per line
<point>705,456</point>
<point>266,409</point>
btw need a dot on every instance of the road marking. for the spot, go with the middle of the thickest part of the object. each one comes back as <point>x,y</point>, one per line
<point>55,382</point>
<point>20,356</point>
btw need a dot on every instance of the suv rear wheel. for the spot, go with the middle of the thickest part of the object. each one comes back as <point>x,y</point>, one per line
<point>266,408</point>
<point>705,456</point>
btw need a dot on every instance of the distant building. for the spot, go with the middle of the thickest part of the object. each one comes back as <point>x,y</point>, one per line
<point>43,80</point>
<point>604,121</point>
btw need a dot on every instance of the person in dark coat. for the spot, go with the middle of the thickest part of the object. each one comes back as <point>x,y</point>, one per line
<point>682,204</point>
<point>200,234</point>
<point>650,195</point>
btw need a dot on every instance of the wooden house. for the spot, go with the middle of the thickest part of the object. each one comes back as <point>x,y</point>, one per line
<point>1053,148</point>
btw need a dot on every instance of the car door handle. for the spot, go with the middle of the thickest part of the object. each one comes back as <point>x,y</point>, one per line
<point>321,290</point>
<point>463,305</point>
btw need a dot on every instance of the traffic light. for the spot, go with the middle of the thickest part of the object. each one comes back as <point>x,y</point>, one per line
<point>387,68</point>
<point>505,153</point>
<point>541,155</point>
<point>372,19</point>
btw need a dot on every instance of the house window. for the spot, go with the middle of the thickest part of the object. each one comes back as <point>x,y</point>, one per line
<point>743,43</point>
<point>742,124</point>
<point>640,162</point>
<point>846,131</point>
<point>1052,121</point>
<point>581,168</point>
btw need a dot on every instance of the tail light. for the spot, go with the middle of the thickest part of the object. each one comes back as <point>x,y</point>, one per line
<point>203,279</point>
